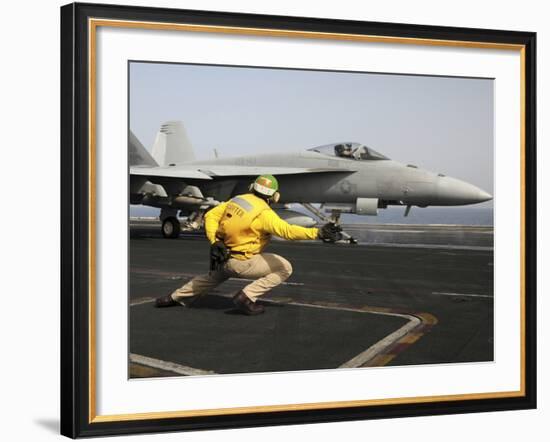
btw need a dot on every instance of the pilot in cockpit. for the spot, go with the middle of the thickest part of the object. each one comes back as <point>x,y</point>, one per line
<point>343,150</point>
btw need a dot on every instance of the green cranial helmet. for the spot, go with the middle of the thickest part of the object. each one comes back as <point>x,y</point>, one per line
<point>266,185</point>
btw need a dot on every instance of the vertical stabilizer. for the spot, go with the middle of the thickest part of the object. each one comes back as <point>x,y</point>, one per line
<point>172,146</point>
<point>137,155</point>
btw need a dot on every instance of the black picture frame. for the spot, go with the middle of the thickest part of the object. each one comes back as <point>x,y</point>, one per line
<point>77,404</point>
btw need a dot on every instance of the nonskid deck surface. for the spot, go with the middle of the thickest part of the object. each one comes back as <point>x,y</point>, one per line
<point>344,306</point>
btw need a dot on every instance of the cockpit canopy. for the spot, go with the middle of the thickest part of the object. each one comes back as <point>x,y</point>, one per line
<point>350,151</point>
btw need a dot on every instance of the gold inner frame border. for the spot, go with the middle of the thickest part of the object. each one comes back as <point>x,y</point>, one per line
<point>93,24</point>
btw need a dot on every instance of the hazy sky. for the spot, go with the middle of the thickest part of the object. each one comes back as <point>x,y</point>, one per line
<point>441,124</point>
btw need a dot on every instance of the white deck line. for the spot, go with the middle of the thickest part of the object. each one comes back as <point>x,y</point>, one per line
<point>356,361</point>
<point>379,346</point>
<point>375,349</point>
<point>473,295</point>
<point>399,231</point>
<point>168,366</point>
<point>427,246</point>
<point>141,301</point>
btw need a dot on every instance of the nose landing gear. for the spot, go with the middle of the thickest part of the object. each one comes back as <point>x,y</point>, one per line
<point>334,218</point>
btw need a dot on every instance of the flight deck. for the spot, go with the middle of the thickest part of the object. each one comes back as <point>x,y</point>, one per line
<point>405,295</point>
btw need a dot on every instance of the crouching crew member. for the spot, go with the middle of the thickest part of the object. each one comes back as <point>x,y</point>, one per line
<point>239,230</point>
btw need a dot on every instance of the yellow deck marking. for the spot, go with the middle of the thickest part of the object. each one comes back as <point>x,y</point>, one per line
<point>411,338</point>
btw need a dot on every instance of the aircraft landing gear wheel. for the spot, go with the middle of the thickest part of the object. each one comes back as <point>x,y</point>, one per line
<point>171,228</point>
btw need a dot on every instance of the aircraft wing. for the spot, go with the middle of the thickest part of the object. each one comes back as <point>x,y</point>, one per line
<point>253,171</point>
<point>171,180</point>
<point>209,172</point>
<point>168,172</point>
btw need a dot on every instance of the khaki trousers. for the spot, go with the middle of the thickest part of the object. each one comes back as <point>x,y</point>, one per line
<point>267,269</point>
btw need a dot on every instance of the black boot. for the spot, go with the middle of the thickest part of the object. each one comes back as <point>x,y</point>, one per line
<point>246,306</point>
<point>166,301</point>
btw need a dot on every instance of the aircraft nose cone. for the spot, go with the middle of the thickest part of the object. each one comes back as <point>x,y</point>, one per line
<point>451,191</point>
<point>484,196</point>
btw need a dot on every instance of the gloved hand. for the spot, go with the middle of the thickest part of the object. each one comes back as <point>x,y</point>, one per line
<point>219,255</point>
<point>330,232</point>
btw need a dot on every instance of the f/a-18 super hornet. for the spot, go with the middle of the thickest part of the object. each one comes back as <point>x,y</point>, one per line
<point>342,177</point>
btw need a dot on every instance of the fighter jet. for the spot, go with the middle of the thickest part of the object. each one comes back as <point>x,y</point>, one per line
<point>336,178</point>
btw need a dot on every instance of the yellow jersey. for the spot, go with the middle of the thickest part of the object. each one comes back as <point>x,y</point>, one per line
<point>245,224</point>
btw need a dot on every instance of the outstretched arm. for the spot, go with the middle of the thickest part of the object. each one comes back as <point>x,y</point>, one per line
<point>271,223</point>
